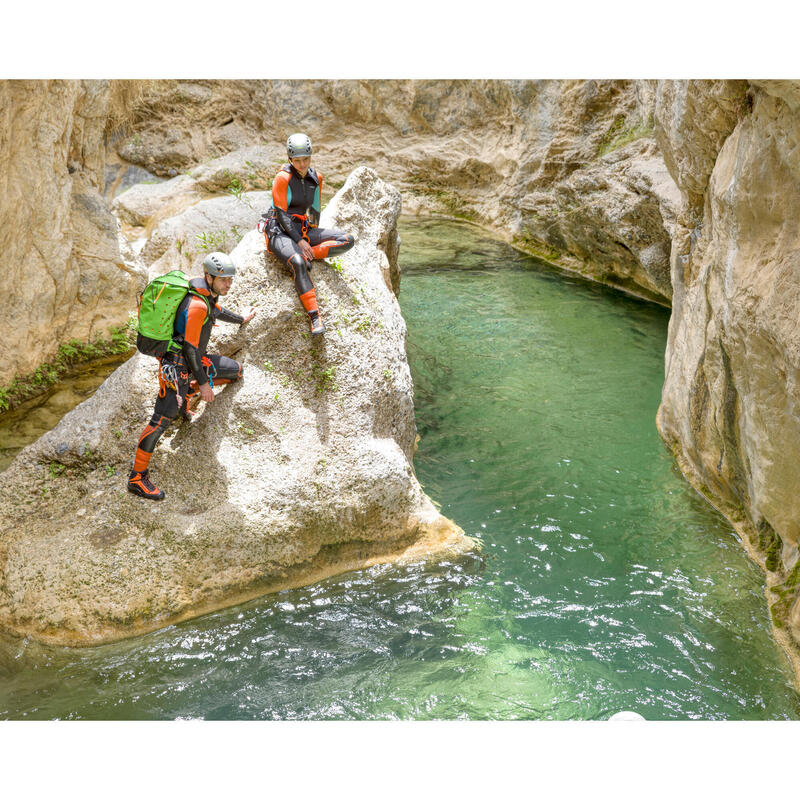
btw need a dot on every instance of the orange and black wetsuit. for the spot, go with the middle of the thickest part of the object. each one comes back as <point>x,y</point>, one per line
<point>190,368</point>
<point>294,216</point>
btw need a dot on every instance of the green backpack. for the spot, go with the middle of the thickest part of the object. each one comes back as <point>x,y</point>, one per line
<point>158,305</point>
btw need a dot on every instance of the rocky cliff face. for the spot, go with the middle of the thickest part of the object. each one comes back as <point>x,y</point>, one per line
<point>65,276</point>
<point>680,191</point>
<point>730,401</point>
<point>568,170</point>
<point>300,470</point>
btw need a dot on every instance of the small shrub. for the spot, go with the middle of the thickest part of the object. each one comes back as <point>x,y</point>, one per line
<point>209,241</point>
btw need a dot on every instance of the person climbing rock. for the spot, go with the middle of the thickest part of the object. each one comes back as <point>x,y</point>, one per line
<point>191,371</point>
<point>290,227</point>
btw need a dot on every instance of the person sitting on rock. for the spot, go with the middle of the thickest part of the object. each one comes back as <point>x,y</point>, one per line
<point>290,225</point>
<point>192,371</point>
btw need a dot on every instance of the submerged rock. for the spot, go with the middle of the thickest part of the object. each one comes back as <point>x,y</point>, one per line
<point>301,470</point>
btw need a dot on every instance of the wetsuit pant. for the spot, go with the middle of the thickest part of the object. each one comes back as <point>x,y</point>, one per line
<point>221,370</point>
<point>324,242</point>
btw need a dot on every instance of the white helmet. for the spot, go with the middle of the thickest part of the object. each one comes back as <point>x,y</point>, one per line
<point>298,145</point>
<point>219,264</point>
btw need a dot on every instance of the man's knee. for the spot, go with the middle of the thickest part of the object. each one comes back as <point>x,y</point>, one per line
<point>297,264</point>
<point>227,370</point>
<point>164,420</point>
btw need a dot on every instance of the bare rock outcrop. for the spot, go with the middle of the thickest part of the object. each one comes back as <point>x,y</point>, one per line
<point>218,223</point>
<point>300,470</point>
<point>66,278</point>
<point>567,170</point>
<point>729,404</point>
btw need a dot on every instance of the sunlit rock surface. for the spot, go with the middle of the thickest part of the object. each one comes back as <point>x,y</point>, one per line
<point>65,277</point>
<point>567,170</point>
<point>729,406</point>
<point>301,470</point>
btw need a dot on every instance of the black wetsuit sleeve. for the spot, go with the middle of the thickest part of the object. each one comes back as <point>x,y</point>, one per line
<point>287,226</point>
<point>194,360</point>
<point>229,316</point>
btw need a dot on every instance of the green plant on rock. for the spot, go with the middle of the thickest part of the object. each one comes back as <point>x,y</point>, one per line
<point>119,341</point>
<point>621,133</point>
<point>325,378</point>
<point>55,469</point>
<point>336,264</point>
<point>236,189</point>
<point>209,241</point>
<point>253,174</point>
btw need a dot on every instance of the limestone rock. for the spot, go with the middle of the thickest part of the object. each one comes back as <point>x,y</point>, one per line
<point>182,241</point>
<point>728,407</point>
<point>704,112</point>
<point>538,161</point>
<point>66,278</point>
<point>252,167</point>
<point>147,203</point>
<point>300,470</point>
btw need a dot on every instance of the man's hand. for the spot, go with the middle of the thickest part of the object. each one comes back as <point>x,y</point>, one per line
<point>207,393</point>
<point>249,315</point>
<point>305,249</point>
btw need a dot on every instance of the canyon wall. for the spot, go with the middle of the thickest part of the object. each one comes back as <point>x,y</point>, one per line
<point>730,404</point>
<point>567,170</point>
<point>66,278</point>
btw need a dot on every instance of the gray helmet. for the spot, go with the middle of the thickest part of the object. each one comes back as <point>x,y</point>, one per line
<point>298,145</point>
<point>219,264</point>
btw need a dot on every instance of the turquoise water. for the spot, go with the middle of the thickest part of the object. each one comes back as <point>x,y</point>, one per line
<point>606,582</point>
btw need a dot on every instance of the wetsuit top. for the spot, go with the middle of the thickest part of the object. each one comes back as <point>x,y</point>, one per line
<point>193,323</point>
<point>293,195</point>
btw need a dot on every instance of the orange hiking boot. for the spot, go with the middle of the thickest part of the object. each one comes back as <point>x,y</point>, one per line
<point>139,483</point>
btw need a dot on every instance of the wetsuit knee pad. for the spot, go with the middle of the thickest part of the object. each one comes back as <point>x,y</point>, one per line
<point>296,263</point>
<point>302,281</point>
<point>228,370</point>
<point>153,432</point>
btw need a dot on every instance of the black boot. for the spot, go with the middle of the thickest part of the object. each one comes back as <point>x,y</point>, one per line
<point>317,325</point>
<point>139,483</point>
